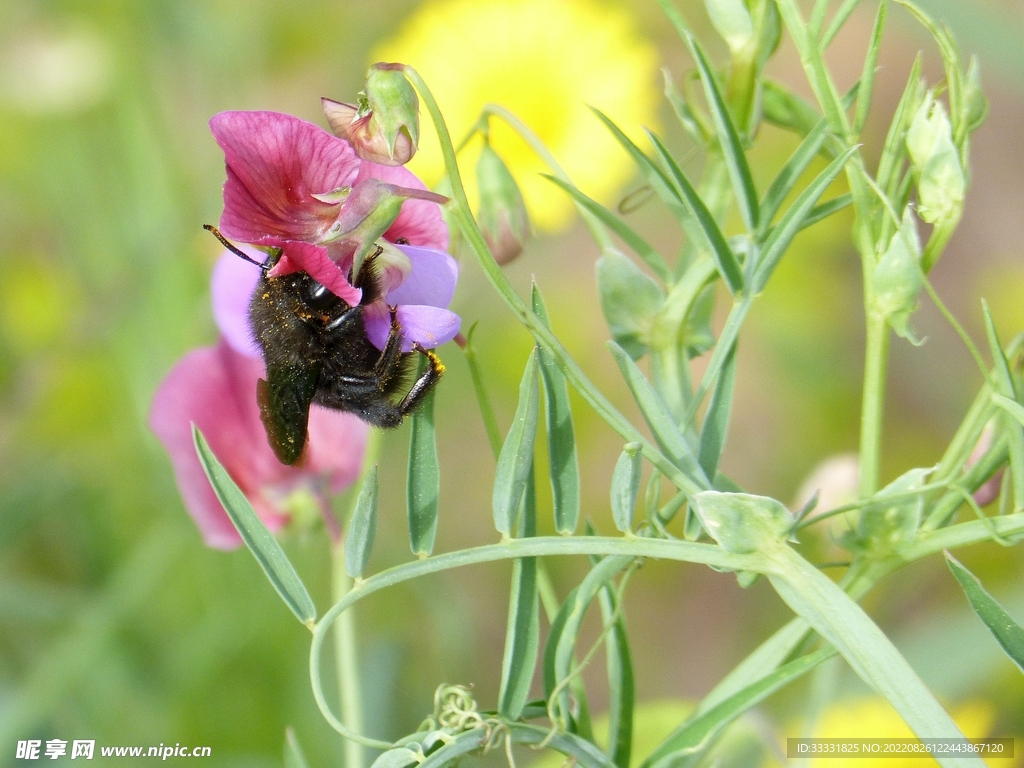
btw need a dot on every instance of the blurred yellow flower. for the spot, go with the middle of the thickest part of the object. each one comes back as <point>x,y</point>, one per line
<point>544,60</point>
<point>874,718</point>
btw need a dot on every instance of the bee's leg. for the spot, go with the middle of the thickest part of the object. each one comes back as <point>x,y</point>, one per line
<point>426,382</point>
<point>387,364</point>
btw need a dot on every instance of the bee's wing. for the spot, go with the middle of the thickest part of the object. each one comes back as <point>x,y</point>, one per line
<point>284,400</point>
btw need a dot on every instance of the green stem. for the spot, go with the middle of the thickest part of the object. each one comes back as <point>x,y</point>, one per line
<point>876,357</point>
<point>347,659</point>
<point>539,546</point>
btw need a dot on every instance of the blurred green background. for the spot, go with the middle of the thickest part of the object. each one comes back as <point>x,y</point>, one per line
<point>117,624</point>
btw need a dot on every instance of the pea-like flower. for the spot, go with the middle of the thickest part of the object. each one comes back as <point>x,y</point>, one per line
<point>294,186</point>
<point>215,389</point>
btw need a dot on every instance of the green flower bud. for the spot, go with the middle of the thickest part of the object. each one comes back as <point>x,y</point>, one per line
<point>897,278</point>
<point>502,215</point>
<point>394,105</point>
<point>941,182</point>
<point>732,21</point>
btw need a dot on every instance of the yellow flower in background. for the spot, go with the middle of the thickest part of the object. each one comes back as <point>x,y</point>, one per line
<point>544,60</point>
<point>874,718</point>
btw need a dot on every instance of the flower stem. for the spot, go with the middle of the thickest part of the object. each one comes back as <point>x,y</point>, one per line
<point>876,357</point>
<point>346,658</point>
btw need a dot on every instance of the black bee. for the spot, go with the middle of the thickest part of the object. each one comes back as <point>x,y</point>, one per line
<point>316,351</point>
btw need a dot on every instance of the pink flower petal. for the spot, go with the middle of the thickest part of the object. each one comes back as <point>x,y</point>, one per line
<point>234,281</point>
<point>428,326</point>
<point>315,261</point>
<point>431,281</point>
<point>420,221</point>
<point>336,444</point>
<point>275,164</point>
<point>215,389</point>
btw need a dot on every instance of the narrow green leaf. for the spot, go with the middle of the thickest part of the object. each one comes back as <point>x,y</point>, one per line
<point>522,636</point>
<point>254,533</point>
<point>423,484</point>
<point>516,457</point>
<point>1005,386</point>
<point>484,402</point>
<point>867,78</point>
<point>663,426</point>
<point>1008,633</point>
<point>726,260</point>
<point>837,22</point>
<point>792,221</point>
<point>293,757</point>
<point>362,527</point>
<point>621,683</point>
<point>895,149</point>
<point>625,486</point>
<point>636,243</point>
<point>728,139</point>
<point>814,67</point>
<point>716,421</point>
<point>836,617</point>
<point>786,179</point>
<point>652,173</point>
<point>688,744</point>
<point>826,209</point>
<point>562,457</point>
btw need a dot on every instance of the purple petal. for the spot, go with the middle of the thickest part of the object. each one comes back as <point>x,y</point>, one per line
<point>275,164</point>
<point>232,286</point>
<point>420,221</point>
<point>432,280</point>
<point>427,326</point>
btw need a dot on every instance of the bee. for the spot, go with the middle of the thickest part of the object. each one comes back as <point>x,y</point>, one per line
<point>316,351</point>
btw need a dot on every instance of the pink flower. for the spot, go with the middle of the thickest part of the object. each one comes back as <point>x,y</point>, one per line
<point>293,186</point>
<point>215,389</point>
<point>285,188</point>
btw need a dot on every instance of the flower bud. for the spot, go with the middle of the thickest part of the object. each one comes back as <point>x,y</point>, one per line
<point>941,181</point>
<point>502,214</point>
<point>359,128</point>
<point>385,127</point>
<point>897,278</point>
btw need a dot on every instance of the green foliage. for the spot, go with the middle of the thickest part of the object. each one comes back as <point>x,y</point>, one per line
<point>423,485</point>
<point>362,526</point>
<point>1006,631</point>
<point>254,533</point>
